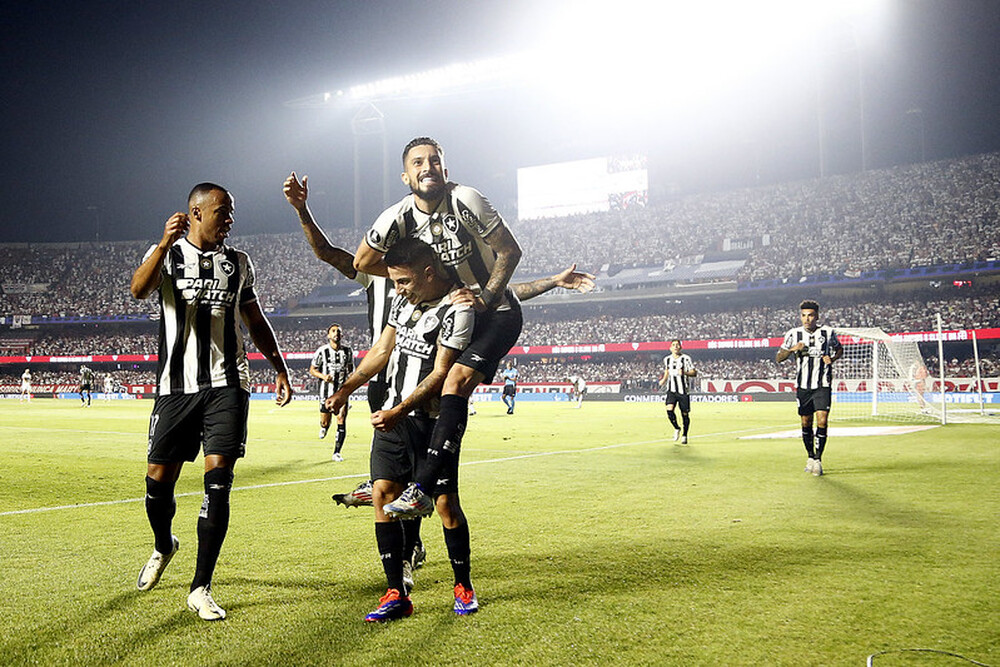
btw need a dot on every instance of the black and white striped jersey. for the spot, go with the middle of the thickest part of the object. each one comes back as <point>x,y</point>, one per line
<point>676,369</point>
<point>337,363</point>
<point>420,329</point>
<point>201,339</point>
<point>457,230</point>
<point>380,292</point>
<point>811,372</point>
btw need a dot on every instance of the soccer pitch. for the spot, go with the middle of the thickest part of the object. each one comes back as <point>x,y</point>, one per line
<point>596,540</point>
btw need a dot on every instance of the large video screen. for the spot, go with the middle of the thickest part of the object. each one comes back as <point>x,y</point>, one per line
<point>582,186</point>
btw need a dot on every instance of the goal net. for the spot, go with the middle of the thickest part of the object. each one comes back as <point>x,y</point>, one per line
<point>879,377</point>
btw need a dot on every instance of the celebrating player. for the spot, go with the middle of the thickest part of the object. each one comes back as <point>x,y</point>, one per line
<point>677,368</point>
<point>202,394</point>
<point>815,349</point>
<point>331,365</point>
<point>424,336</point>
<point>477,250</point>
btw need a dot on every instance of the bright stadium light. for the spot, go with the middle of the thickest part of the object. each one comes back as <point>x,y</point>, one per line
<point>451,79</point>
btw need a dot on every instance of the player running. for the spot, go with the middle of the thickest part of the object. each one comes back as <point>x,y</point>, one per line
<point>677,368</point>
<point>331,364</point>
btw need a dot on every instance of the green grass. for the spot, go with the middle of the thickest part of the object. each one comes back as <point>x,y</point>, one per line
<point>596,540</point>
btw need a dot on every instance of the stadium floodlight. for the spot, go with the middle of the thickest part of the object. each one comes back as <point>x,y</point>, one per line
<point>447,80</point>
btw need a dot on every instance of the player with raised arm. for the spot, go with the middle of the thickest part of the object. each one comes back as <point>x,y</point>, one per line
<point>815,349</point>
<point>203,377</point>
<point>677,368</point>
<point>426,332</point>
<point>477,250</point>
<point>331,364</point>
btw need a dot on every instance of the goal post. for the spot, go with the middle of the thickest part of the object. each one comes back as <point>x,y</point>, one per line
<point>883,378</point>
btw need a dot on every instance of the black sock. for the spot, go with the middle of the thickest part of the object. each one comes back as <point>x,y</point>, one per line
<point>213,522</point>
<point>389,537</point>
<point>341,434</point>
<point>673,419</point>
<point>807,440</point>
<point>160,508</point>
<point>820,441</point>
<point>686,418</point>
<point>411,537</point>
<point>446,440</point>
<point>457,541</point>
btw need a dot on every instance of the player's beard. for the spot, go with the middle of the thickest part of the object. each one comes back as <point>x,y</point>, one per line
<point>431,193</point>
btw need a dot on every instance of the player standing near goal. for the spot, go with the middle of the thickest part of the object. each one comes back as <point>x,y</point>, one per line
<point>203,377</point>
<point>331,365</point>
<point>815,349</point>
<point>677,368</point>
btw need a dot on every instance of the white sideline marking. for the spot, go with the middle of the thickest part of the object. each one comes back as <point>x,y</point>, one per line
<point>36,510</point>
<point>845,431</point>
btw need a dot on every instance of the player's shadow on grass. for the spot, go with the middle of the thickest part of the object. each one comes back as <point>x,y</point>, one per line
<point>861,505</point>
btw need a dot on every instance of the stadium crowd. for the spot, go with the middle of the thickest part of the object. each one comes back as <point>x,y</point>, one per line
<point>917,215</point>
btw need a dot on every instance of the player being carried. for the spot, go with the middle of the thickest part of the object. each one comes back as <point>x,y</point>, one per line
<point>677,368</point>
<point>815,349</point>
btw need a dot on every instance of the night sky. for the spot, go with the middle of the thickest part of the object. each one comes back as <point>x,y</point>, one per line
<point>111,111</point>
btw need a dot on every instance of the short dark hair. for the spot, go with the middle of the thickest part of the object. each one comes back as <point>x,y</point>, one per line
<point>421,141</point>
<point>412,252</point>
<point>809,304</point>
<point>675,340</point>
<point>332,326</point>
<point>203,189</point>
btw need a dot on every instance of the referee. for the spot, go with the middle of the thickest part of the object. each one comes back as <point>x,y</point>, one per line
<point>203,378</point>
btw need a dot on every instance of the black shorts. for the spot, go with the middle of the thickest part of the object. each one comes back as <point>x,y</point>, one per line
<point>683,401</point>
<point>813,400</point>
<point>509,390</point>
<point>84,387</point>
<point>182,423</point>
<point>396,454</point>
<point>496,331</point>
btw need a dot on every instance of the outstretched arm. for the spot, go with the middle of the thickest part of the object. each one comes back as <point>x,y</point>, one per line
<point>567,279</point>
<point>297,193</point>
<point>508,253</point>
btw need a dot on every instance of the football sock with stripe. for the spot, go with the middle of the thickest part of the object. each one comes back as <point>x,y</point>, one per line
<point>820,441</point>
<point>807,440</point>
<point>389,537</point>
<point>213,523</point>
<point>673,419</point>
<point>457,542</point>
<point>446,440</point>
